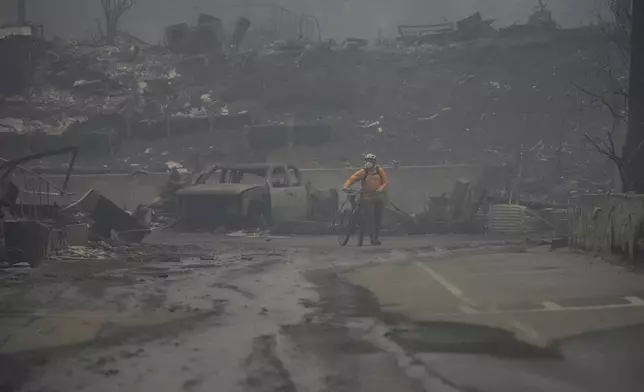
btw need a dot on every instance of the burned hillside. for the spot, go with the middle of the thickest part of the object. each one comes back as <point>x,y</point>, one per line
<point>134,106</point>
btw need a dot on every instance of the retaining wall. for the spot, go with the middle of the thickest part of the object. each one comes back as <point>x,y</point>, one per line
<point>410,185</point>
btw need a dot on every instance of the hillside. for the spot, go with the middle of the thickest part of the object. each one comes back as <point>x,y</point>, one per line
<point>462,103</point>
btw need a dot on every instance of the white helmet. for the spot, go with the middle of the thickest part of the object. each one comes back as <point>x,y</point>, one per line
<point>370,157</point>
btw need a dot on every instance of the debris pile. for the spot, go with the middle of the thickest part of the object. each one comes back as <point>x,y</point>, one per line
<point>462,93</point>
<point>99,251</point>
<point>206,37</point>
<point>103,95</point>
<point>470,28</point>
<point>540,21</point>
<point>38,217</point>
<point>108,221</point>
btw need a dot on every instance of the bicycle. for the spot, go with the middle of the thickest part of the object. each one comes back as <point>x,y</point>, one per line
<point>350,219</point>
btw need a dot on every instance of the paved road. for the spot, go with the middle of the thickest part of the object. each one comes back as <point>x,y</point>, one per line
<point>436,313</point>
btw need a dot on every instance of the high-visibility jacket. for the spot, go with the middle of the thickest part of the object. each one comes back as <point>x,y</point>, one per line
<point>372,180</point>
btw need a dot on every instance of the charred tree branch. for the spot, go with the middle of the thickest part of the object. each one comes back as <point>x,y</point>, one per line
<point>113,11</point>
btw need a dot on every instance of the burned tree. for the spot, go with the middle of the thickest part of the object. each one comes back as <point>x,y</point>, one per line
<point>633,150</point>
<point>626,96</point>
<point>113,11</point>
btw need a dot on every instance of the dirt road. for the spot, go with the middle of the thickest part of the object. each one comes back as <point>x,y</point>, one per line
<point>437,313</point>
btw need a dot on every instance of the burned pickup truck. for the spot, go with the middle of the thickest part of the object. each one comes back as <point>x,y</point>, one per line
<point>250,195</point>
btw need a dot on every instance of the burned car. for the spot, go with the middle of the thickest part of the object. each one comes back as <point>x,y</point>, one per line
<point>244,195</point>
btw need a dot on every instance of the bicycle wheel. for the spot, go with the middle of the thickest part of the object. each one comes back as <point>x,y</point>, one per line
<point>359,226</point>
<point>346,226</point>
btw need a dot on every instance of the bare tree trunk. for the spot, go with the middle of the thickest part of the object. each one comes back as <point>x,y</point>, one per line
<point>113,10</point>
<point>110,32</point>
<point>633,151</point>
<point>622,11</point>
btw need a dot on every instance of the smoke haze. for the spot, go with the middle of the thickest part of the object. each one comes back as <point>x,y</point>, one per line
<point>338,18</point>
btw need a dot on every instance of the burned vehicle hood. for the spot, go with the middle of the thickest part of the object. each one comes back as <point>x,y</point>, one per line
<point>216,189</point>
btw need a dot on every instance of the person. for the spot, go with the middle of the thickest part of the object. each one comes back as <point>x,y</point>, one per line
<point>374,182</point>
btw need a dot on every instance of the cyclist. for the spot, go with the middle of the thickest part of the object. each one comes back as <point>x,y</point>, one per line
<point>374,183</point>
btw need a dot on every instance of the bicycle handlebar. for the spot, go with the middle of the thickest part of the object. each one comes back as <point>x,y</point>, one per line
<point>360,192</point>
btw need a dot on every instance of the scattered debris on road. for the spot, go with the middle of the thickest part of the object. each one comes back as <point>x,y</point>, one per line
<point>100,251</point>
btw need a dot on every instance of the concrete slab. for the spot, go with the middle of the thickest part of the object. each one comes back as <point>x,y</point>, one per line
<point>404,288</point>
<point>563,324</point>
<point>505,280</point>
<point>538,296</point>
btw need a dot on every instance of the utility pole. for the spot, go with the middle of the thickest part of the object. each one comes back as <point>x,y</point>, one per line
<point>633,151</point>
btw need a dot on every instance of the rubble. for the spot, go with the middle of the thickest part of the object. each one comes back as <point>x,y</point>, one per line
<point>241,28</point>
<point>77,234</point>
<point>34,224</point>
<point>98,252</point>
<point>117,102</point>
<point>207,36</point>
<point>540,20</point>
<point>26,241</point>
<point>466,29</point>
<point>31,223</point>
<point>108,220</point>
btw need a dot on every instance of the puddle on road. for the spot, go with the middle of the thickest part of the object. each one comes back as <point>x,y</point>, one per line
<point>432,319</point>
<point>450,337</point>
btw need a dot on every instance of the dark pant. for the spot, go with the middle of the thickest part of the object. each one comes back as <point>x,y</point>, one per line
<point>372,215</point>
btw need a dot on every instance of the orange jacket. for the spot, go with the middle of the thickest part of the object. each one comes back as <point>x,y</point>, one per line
<point>375,179</point>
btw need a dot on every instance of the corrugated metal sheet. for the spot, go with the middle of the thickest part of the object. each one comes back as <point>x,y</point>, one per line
<point>506,218</point>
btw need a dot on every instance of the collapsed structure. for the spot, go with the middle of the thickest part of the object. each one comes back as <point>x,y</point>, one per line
<point>458,93</point>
